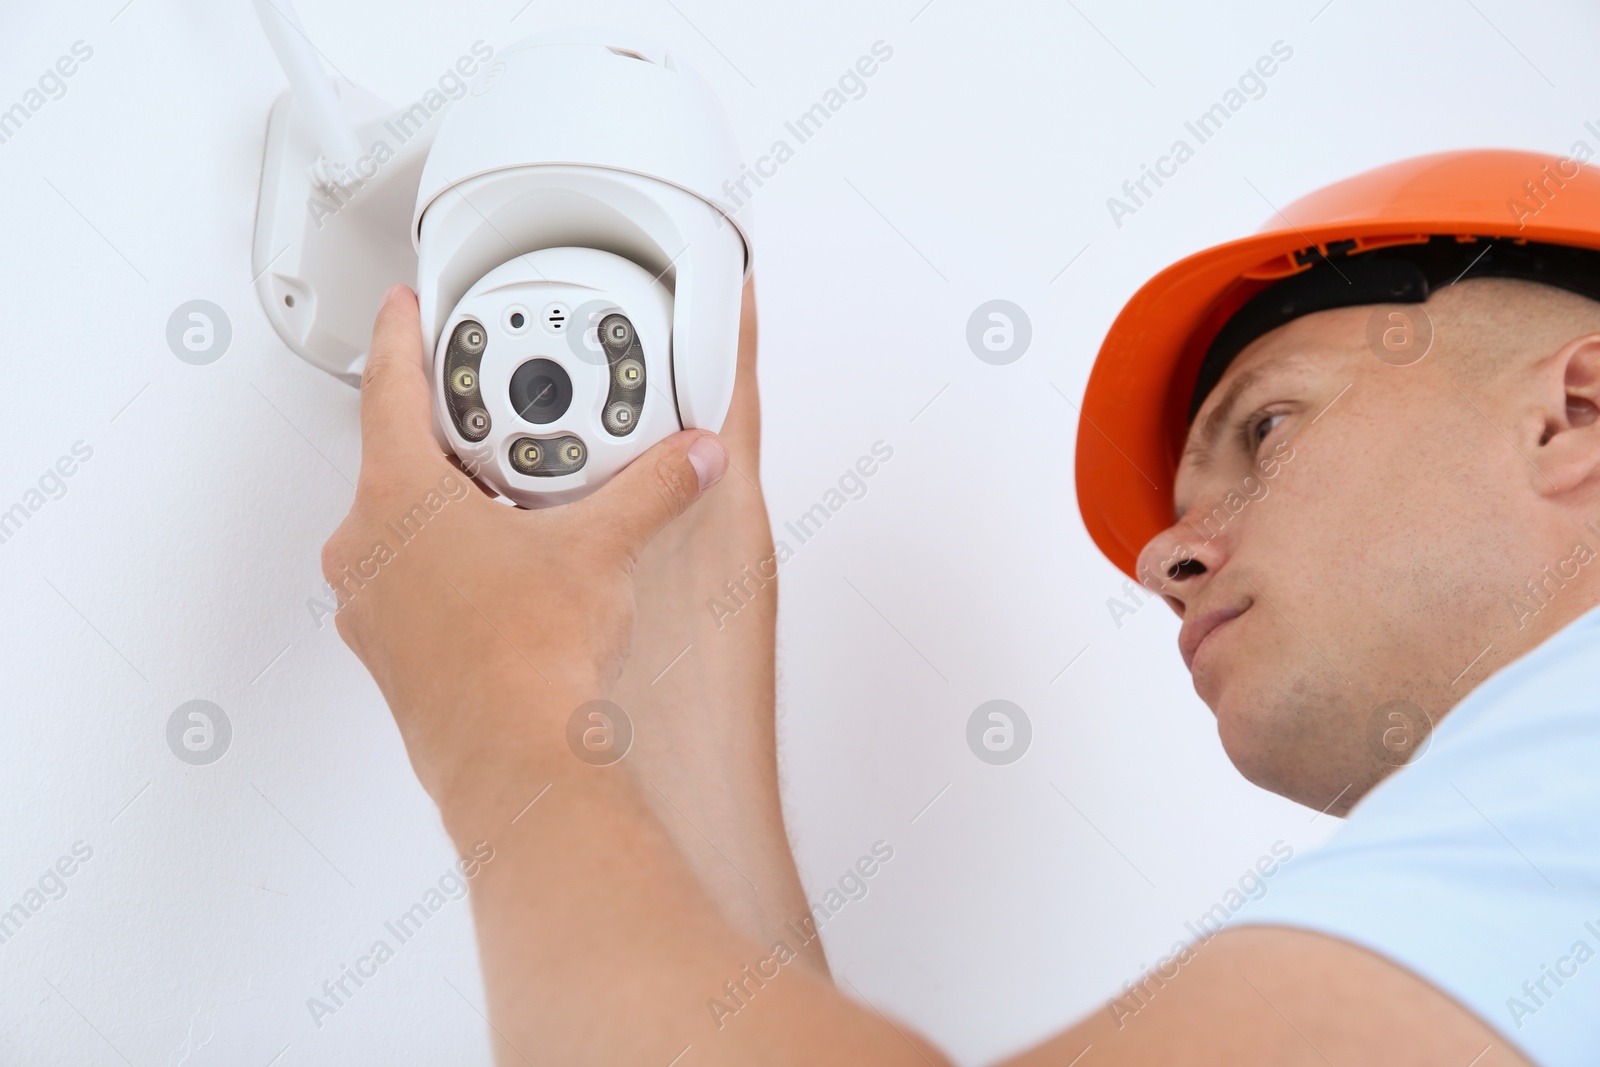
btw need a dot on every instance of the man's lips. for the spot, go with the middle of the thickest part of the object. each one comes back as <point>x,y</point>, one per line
<point>1197,629</point>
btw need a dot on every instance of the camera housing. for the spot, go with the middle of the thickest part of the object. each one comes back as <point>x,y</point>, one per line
<point>588,368</point>
<point>567,198</point>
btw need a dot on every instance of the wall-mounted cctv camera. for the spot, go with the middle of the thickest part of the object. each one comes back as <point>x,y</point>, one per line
<point>554,205</point>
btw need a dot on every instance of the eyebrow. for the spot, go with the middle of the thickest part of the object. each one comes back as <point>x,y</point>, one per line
<point>1201,444</point>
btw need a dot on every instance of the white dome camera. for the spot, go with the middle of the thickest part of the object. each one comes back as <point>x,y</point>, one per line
<point>579,283</point>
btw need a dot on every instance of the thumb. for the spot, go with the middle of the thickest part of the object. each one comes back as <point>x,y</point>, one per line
<point>659,486</point>
<point>396,412</point>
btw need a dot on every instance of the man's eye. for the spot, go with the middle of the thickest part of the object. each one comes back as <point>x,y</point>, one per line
<point>1262,426</point>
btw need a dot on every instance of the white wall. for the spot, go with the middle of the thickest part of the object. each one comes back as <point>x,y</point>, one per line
<point>178,563</point>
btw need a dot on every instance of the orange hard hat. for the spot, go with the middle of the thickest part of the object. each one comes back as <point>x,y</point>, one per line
<point>1142,390</point>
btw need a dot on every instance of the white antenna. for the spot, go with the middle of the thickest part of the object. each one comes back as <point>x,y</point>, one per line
<point>312,88</point>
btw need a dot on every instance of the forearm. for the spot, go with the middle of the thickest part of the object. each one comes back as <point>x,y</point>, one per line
<point>700,689</point>
<point>600,945</point>
<point>699,684</point>
<point>599,940</point>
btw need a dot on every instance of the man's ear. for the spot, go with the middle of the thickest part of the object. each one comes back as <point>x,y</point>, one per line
<point>1569,401</point>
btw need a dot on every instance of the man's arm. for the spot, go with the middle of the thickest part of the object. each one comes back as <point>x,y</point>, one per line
<point>1285,997</point>
<point>599,941</point>
<point>599,945</point>
<point>699,684</point>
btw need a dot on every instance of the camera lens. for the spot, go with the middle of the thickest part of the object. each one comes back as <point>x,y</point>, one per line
<point>541,391</point>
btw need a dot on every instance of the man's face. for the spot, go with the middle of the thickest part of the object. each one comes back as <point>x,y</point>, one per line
<point>1346,538</point>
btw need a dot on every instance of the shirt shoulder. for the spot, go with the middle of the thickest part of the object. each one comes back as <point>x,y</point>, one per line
<point>1477,865</point>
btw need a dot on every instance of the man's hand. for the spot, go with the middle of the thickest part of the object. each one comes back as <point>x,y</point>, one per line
<point>486,625</point>
<point>700,687</point>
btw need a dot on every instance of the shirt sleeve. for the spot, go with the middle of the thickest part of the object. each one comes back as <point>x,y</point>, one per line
<point>1477,866</point>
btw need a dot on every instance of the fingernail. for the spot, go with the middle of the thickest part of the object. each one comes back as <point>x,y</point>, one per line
<point>392,294</point>
<point>709,461</point>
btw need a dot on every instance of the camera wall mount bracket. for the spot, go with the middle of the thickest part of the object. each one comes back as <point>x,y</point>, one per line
<point>326,249</point>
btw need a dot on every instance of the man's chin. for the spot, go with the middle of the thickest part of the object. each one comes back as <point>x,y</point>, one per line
<point>1208,685</point>
<point>1253,735</point>
<point>1287,754</point>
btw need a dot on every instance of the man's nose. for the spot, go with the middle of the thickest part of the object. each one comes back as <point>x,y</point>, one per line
<point>1175,564</point>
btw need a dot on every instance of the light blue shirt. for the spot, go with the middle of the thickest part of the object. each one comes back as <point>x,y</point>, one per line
<point>1477,865</point>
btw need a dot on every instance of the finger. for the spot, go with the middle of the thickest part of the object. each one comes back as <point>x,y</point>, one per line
<point>396,412</point>
<point>747,329</point>
<point>741,430</point>
<point>657,487</point>
<point>488,490</point>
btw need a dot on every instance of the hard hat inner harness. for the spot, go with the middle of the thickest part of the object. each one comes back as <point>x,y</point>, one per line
<point>1395,274</point>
